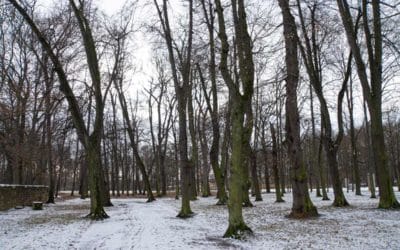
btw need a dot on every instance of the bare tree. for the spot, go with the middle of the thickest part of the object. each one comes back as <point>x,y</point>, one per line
<point>310,47</point>
<point>241,92</point>
<point>119,37</point>
<point>372,86</point>
<point>302,204</point>
<point>158,94</point>
<point>182,91</point>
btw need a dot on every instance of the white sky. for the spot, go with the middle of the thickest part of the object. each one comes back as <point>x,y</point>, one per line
<point>108,6</point>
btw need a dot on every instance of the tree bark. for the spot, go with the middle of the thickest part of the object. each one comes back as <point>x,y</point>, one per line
<point>321,169</point>
<point>241,107</point>
<point>353,139</point>
<point>302,205</point>
<point>278,193</point>
<point>194,160</point>
<point>254,175</point>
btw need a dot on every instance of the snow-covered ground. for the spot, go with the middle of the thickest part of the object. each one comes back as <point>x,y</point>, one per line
<point>135,224</point>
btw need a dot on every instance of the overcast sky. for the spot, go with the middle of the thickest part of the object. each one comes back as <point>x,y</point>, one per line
<point>108,6</point>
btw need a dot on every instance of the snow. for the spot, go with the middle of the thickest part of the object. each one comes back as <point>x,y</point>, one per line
<point>15,185</point>
<point>135,224</point>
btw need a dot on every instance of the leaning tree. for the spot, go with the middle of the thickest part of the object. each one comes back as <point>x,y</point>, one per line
<point>90,140</point>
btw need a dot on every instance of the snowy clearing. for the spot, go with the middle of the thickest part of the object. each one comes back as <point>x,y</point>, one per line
<point>135,224</point>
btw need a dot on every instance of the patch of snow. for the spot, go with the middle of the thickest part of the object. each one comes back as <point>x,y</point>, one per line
<point>17,185</point>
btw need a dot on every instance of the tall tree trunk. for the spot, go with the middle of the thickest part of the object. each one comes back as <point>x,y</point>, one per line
<point>60,163</point>
<point>96,192</point>
<point>254,175</point>
<point>255,170</point>
<point>313,155</point>
<point>321,169</point>
<point>205,185</point>
<point>302,205</point>
<point>370,159</point>
<point>49,156</point>
<point>194,160</point>
<point>176,158</point>
<point>49,160</point>
<point>265,159</point>
<point>47,129</point>
<point>84,182</point>
<point>155,150</point>
<point>182,91</point>
<point>186,165</point>
<point>76,162</point>
<point>353,139</point>
<point>241,107</point>
<point>278,193</point>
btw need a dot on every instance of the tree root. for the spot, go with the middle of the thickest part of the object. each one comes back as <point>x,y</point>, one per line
<point>248,204</point>
<point>303,215</point>
<point>151,199</point>
<point>222,201</point>
<point>393,204</point>
<point>341,202</point>
<point>239,232</point>
<point>183,215</point>
<point>98,215</point>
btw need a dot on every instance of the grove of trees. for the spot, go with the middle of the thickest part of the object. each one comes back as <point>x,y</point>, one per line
<point>241,97</point>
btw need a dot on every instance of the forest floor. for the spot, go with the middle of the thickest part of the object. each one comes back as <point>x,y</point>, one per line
<point>135,224</point>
